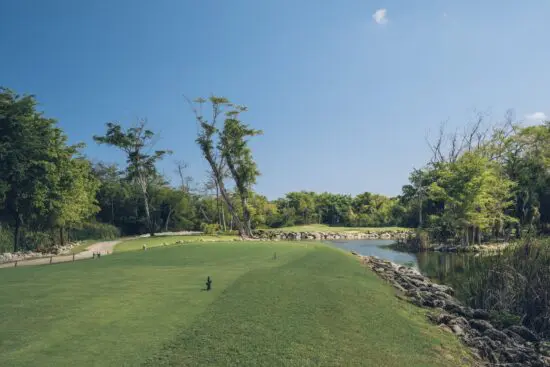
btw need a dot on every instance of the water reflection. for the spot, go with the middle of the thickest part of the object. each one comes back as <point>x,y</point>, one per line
<point>379,249</point>
<point>437,265</point>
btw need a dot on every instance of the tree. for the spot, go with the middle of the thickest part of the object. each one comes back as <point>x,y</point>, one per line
<point>475,196</point>
<point>174,208</point>
<point>238,156</point>
<point>136,142</point>
<point>228,148</point>
<point>73,191</point>
<point>28,152</point>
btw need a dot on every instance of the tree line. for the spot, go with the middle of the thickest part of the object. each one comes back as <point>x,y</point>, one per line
<point>486,183</point>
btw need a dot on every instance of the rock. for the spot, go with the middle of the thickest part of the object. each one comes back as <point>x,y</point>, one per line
<point>445,328</point>
<point>524,333</point>
<point>480,314</point>
<point>509,347</point>
<point>495,334</point>
<point>480,325</point>
<point>515,337</point>
<point>443,318</point>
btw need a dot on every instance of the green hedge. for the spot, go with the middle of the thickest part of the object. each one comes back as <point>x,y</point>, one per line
<point>43,240</point>
<point>93,231</point>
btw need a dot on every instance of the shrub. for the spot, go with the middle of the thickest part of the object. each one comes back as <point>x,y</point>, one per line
<point>210,228</point>
<point>513,285</point>
<point>28,240</point>
<point>6,239</point>
<point>93,231</point>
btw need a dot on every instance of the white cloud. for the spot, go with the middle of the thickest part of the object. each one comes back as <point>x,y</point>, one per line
<point>380,16</point>
<point>537,116</point>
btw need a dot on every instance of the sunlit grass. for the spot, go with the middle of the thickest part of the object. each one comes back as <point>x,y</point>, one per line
<point>308,305</point>
<point>150,242</point>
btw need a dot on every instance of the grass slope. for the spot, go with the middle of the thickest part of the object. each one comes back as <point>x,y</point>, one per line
<point>327,228</point>
<point>137,244</point>
<point>314,305</point>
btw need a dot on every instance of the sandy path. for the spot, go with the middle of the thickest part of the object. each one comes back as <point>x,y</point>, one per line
<point>104,248</point>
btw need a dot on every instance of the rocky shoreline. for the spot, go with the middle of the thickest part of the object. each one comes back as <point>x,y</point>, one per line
<point>484,248</point>
<point>281,235</point>
<point>512,346</point>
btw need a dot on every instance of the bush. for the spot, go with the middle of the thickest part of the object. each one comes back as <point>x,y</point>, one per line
<point>504,319</point>
<point>210,229</point>
<point>513,285</point>
<point>28,240</point>
<point>6,239</point>
<point>93,231</point>
<point>419,241</point>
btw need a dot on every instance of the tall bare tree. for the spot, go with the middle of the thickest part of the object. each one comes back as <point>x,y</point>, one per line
<point>227,147</point>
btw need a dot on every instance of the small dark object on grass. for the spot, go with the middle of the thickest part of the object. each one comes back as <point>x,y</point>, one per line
<point>274,256</point>
<point>208,283</point>
<point>98,255</point>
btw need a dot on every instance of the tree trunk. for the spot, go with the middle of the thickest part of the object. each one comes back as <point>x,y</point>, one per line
<point>246,216</point>
<point>218,205</point>
<point>61,236</point>
<point>223,219</point>
<point>148,214</point>
<point>420,214</point>
<point>204,214</point>
<point>232,211</point>
<point>167,220</point>
<point>16,233</point>
<point>112,212</point>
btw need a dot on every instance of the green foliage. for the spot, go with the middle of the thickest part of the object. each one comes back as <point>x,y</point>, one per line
<point>364,210</point>
<point>43,182</point>
<point>228,148</point>
<point>512,285</point>
<point>136,142</point>
<point>504,319</point>
<point>94,231</point>
<point>210,229</point>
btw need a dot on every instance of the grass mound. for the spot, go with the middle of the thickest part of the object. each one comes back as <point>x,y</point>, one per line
<point>313,305</point>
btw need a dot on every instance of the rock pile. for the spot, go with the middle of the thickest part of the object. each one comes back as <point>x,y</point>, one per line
<point>18,256</point>
<point>275,235</point>
<point>513,346</point>
<point>25,255</point>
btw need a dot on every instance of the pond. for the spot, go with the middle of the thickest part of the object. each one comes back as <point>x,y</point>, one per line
<point>437,265</point>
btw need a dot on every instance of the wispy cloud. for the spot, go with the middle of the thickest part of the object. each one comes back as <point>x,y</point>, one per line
<point>380,16</point>
<point>537,117</point>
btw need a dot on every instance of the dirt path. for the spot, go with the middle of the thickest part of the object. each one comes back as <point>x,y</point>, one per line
<point>104,248</point>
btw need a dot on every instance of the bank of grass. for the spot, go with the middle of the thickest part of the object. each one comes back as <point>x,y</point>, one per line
<point>327,228</point>
<point>150,242</point>
<point>312,305</point>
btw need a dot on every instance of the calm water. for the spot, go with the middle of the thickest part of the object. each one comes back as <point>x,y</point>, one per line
<point>377,248</point>
<point>437,265</point>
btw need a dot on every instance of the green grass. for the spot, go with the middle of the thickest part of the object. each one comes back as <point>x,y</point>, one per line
<point>326,228</point>
<point>137,244</point>
<point>313,305</point>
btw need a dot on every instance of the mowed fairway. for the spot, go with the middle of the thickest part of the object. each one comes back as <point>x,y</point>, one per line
<point>313,305</point>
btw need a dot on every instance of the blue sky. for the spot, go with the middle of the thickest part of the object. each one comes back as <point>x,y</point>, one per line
<point>344,91</point>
